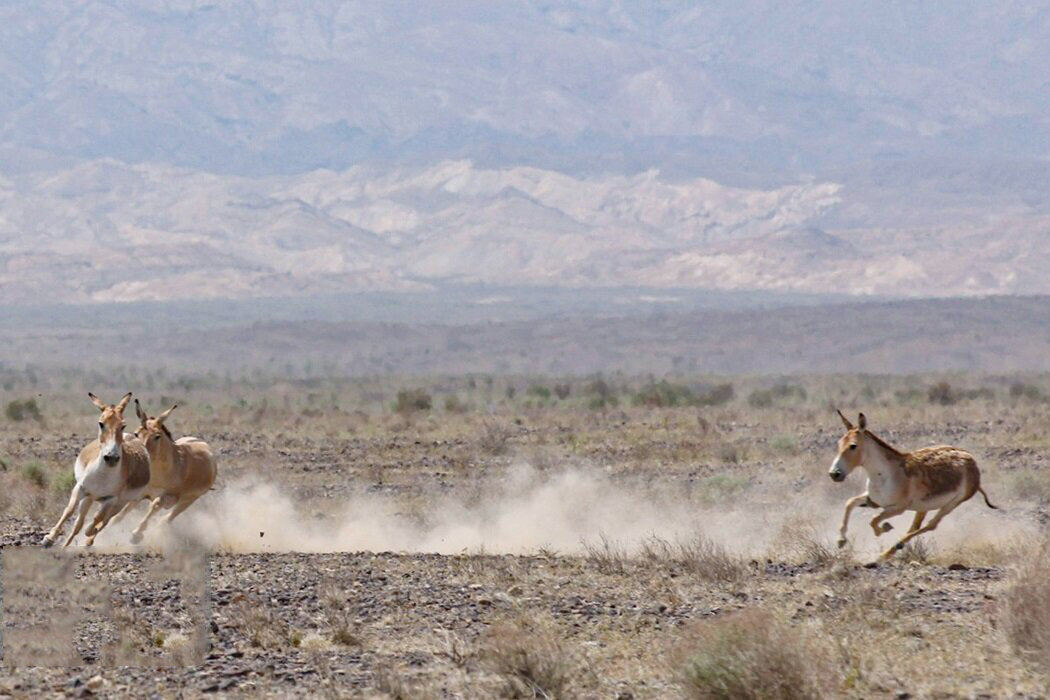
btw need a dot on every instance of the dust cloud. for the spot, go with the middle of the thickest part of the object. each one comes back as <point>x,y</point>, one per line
<point>529,510</point>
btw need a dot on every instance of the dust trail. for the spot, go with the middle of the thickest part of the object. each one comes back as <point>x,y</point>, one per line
<point>528,510</point>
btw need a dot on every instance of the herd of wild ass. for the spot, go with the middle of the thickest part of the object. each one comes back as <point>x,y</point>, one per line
<point>120,469</point>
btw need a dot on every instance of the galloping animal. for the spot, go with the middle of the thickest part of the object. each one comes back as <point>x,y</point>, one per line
<point>181,470</point>
<point>113,469</point>
<point>932,478</point>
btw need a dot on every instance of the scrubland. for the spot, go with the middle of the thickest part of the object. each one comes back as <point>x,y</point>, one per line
<point>534,536</point>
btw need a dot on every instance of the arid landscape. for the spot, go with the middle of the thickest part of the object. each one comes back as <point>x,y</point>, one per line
<point>536,536</point>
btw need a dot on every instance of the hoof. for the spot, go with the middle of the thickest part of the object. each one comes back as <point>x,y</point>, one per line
<point>886,527</point>
<point>47,542</point>
<point>873,564</point>
<point>841,542</point>
<point>136,537</point>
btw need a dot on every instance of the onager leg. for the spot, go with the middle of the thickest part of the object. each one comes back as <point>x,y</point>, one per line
<point>74,498</point>
<point>82,510</point>
<point>184,503</point>
<point>165,501</point>
<point>125,510</point>
<point>850,505</point>
<point>105,514</point>
<point>928,528</point>
<point>917,522</point>
<point>889,512</point>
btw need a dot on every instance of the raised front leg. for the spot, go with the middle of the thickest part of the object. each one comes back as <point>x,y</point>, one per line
<point>850,505</point>
<point>74,498</point>
<point>880,527</point>
<point>82,510</point>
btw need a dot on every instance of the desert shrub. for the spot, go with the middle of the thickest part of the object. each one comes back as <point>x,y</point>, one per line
<point>562,391</point>
<point>26,409</point>
<point>715,395</point>
<point>411,400</point>
<point>493,437</point>
<point>698,555</point>
<point>510,392</point>
<point>539,391</point>
<point>34,473</point>
<point>63,483</point>
<point>606,556</point>
<point>752,654</point>
<point>1020,390</point>
<point>945,394</point>
<point>601,394</point>
<point>1024,614</point>
<point>453,404</point>
<point>663,394</point>
<point>784,443</point>
<point>532,660</point>
<point>781,393</point>
<point>941,393</point>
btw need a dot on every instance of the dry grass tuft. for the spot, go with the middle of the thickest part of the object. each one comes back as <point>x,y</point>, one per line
<point>1024,613</point>
<point>533,661</point>
<point>751,654</point>
<point>493,437</point>
<point>800,541</point>
<point>607,556</point>
<point>699,556</point>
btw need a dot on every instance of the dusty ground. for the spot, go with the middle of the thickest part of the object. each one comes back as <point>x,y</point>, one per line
<point>594,617</point>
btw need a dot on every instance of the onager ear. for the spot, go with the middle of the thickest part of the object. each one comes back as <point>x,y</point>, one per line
<point>123,403</point>
<point>97,401</point>
<point>161,418</point>
<point>140,413</point>
<point>862,422</point>
<point>845,420</point>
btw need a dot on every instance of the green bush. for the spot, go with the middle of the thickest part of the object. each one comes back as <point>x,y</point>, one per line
<point>539,391</point>
<point>411,400</point>
<point>26,409</point>
<point>35,473</point>
<point>663,394</point>
<point>562,391</point>
<point>779,394</point>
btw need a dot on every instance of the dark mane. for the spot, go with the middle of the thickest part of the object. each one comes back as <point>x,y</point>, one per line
<point>885,445</point>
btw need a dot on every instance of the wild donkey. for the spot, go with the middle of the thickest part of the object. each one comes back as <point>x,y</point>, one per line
<point>113,470</point>
<point>924,480</point>
<point>181,470</point>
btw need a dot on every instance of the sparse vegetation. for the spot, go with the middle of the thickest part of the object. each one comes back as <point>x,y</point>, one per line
<point>25,409</point>
<point>1024,613</point>
<point>533,660</point>
<point>412,400</point>
<point>752,655</point>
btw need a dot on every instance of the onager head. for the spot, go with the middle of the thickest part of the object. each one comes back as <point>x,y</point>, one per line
<point>851,448</point>
<point>110,428</point>
<point>152,431</point>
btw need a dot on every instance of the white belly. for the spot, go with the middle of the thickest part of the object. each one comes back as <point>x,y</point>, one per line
<point>97,479</point>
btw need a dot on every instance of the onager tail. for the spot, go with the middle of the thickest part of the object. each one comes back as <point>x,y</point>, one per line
<point>986,501</point>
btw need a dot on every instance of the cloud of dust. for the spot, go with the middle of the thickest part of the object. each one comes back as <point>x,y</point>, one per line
<point>528,510</point>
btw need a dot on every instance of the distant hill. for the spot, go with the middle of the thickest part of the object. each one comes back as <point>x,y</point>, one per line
<point>104,231</point>
<point>262,87</point>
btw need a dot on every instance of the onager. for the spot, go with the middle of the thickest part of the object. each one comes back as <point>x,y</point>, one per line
<point>933,478</point>
<point>181,470</point>
<point>113,470</point>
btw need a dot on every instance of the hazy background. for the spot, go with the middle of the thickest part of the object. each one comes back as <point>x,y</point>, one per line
<point>401,186</point>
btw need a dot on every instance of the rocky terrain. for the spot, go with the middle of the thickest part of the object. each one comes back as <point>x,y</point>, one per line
<point>576,546</point>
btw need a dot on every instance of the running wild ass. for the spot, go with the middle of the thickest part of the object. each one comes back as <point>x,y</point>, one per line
<point>114,470</point>
<point>932,478</point>
<point>181,470</point>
